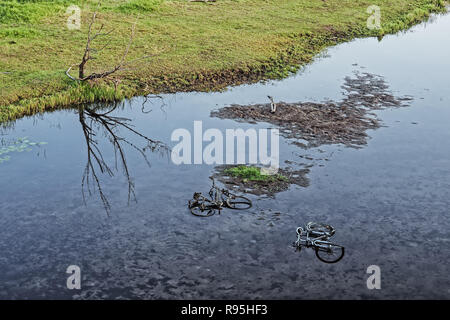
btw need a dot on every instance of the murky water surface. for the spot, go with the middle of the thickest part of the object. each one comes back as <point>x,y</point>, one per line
<point>389,201</point>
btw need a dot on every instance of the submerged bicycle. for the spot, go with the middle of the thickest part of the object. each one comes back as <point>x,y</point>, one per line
<point>201,206</point>
<point>316,236</point>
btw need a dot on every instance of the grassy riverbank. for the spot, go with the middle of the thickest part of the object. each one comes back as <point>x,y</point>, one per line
<point>196,46</point>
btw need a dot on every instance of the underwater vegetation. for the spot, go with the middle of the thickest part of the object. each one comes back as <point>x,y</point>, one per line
<point>17,145</point>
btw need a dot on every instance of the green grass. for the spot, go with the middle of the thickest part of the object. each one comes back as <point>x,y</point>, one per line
<point>249,173</point>
<point>198,46</point>
<point>139,6</point>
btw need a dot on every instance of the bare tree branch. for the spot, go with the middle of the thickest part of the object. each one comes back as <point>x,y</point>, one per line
<point>89,119</point>
<point>89,51</point>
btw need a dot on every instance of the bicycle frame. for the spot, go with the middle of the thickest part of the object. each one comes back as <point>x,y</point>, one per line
<point>316,236</point>
<point>220,198</point>
<point>319,240</point>
<point>216,194</point>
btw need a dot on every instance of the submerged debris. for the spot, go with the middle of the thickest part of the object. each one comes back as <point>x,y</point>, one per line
<point>201,206</point>
<point>317,236</point>
<point>343,122</point>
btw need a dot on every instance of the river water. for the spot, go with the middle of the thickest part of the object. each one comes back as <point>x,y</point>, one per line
<point>389,201</point>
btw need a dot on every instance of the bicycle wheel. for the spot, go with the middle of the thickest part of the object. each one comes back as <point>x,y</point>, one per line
<point>238,202</point>
<point>330,253</point>
<point>202,207</point>
<point>203,211</point>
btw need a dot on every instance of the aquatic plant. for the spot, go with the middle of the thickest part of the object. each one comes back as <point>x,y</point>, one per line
<point>251,173</point>
<point>18,145</point>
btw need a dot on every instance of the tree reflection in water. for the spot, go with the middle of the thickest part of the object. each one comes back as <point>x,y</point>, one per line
<point>96,120</point>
